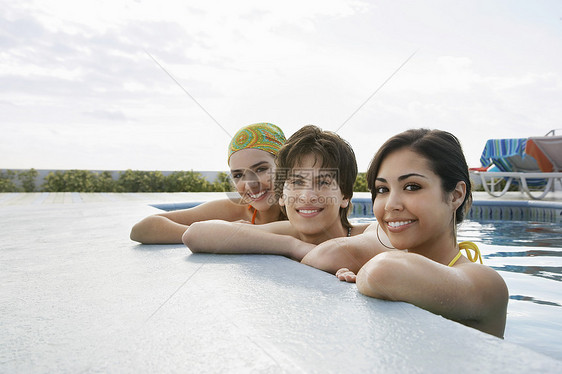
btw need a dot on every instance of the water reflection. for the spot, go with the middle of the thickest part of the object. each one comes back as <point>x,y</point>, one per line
<point>531,253</point>
<point>548,272</point>
<point>533,300</point>
<point>513,233</point>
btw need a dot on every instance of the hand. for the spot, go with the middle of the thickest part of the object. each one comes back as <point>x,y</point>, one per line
<point>344,274</point>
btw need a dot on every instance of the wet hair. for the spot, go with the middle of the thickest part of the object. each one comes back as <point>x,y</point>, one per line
<point>328,148</point>
<point>444,154</point>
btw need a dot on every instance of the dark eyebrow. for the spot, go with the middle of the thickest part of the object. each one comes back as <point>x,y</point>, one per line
<point>254,166</point>
<point>294,175</point>
<point>406,176</point>
<point>318,177</point>
<point>402,177</point>
<point>325,175</point>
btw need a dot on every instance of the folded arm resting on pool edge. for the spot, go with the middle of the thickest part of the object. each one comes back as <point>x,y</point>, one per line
<point>216,236</point>
<point>469,293</point>
<point>279,238</point>
<point>349,252</point>
<point>169,227</point>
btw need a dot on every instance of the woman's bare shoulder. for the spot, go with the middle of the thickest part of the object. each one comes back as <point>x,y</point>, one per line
<point>484,276</point>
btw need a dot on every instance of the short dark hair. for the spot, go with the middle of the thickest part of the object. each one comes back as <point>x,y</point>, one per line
<point>444,154</point>
<point>331,149</point>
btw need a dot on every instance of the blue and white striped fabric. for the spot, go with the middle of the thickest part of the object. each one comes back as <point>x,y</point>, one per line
<point>508,155</point>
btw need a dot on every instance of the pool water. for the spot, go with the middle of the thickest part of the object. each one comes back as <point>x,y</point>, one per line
<point>528,255</point>
<point>514,233</point>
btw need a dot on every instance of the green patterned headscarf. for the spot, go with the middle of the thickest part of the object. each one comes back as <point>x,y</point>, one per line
<point>264,136</point>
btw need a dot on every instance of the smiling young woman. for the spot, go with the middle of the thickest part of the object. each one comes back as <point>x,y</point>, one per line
<point>413,209</point>
<point>252,171</point>
<point>420,187</point>
<point>251,157</point>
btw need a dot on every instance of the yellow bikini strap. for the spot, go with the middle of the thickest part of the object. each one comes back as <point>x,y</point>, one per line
<point>466,246</point>
<point>454,260</point>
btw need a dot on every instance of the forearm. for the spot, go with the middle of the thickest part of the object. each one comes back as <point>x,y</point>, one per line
<point>328,256</point>
<point>157,230</point>
<point>472,294</point>
<point>402,276</point>
<point>414,279</point>
<point>228,237</point>
<point>332,255</point>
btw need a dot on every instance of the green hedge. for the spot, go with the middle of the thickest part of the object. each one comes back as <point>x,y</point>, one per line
<point>26,178</point>
<point>7,181</point>
<point>360,183</point>
<point>128,181</point>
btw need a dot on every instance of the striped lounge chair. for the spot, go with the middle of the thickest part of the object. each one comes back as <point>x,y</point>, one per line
<point>534,164</point>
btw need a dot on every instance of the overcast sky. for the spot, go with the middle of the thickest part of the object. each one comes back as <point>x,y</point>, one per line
<point>80,90</point>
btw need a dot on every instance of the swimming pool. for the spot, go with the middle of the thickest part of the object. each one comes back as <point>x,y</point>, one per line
<point>521,240</point>
<point>528,255</point>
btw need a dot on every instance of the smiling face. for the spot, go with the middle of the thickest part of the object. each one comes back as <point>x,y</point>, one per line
<point>312,199</point>
<point>253,171</point>
<point>410,204</point>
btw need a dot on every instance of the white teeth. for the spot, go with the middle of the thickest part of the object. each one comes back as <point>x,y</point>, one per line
<point>399,223</point>
<point>308,211</point>
<point>256,196</point>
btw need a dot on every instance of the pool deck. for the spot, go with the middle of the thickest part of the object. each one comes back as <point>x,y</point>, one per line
<point>77,295</point>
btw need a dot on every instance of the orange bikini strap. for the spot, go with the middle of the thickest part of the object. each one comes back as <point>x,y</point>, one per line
<point>253,215</point>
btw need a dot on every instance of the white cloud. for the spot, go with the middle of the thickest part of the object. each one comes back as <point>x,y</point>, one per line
<point>74,76</point>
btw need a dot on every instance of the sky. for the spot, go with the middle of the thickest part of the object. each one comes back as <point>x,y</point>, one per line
<point>163,85</point>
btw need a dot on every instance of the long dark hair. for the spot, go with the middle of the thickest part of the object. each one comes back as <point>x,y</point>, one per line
<point>444,154</point>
